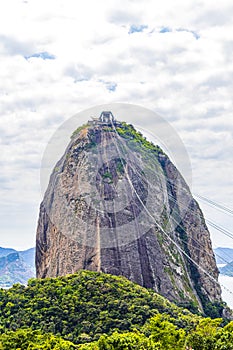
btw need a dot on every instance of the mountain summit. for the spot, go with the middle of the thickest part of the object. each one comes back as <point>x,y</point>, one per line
<point>115,203</point>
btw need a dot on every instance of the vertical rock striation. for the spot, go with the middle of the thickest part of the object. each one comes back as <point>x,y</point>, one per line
<point>115,203</point>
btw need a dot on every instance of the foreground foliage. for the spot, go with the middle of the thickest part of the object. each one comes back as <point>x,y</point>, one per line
<point>157,334</point>
<point>95,311</point>
<point>83,306</point>
<point>33,340</point>
<point>163,335</point>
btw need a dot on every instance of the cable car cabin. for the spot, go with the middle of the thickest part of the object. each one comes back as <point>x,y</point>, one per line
<point>106,117</point>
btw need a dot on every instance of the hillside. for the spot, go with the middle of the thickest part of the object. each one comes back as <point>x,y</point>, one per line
<point>110,311</point>
<point>84,303</point>
<point>16,266</point>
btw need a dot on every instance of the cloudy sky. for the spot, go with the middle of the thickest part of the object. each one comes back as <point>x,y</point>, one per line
<point>60,57</point>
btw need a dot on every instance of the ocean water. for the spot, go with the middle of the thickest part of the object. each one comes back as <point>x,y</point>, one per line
<point>227,292</point>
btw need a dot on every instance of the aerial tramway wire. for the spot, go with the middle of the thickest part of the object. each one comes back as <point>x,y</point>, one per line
<point>215,204</point>
<point>178,224</point>
<point>211,223</point>
<point>214,225</point>
<point>208,201</point>
<point>157,224</point>
<point>219,228</point>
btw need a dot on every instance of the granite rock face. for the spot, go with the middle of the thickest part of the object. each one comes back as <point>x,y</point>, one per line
<point>115,203</point>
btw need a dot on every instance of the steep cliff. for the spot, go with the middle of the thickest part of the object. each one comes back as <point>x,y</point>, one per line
<point>115,203</point>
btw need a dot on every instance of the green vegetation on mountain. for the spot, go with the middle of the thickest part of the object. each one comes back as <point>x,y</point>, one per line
<point>80,128</point>
<point>101,312</point>
<point>163,335</point>
<point>81,307</point>
<point>128,132</point>
<point>33,340</point>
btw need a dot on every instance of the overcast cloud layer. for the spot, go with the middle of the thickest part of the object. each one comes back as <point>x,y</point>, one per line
<point>60,57</point>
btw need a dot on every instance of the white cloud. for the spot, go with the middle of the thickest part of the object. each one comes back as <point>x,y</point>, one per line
<point>97,61</point>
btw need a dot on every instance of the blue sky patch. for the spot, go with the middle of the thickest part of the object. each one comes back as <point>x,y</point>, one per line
<point>169,30</point>
<point>44,55</point>
<point>137,28</point>
<point>110,86</point>
<point>165,30</point>
<point>195,34</point>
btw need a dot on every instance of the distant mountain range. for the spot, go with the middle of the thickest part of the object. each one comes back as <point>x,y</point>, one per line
<point>19,266</point>
<point>16,266</point>
<point>227,270</point>
<point>224,256</point>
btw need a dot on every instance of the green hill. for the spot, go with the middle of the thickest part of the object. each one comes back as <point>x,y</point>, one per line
<point>85,303</point>
<point>93,307</point>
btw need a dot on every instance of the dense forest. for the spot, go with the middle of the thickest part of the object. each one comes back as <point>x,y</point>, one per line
<point>90,310</point>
